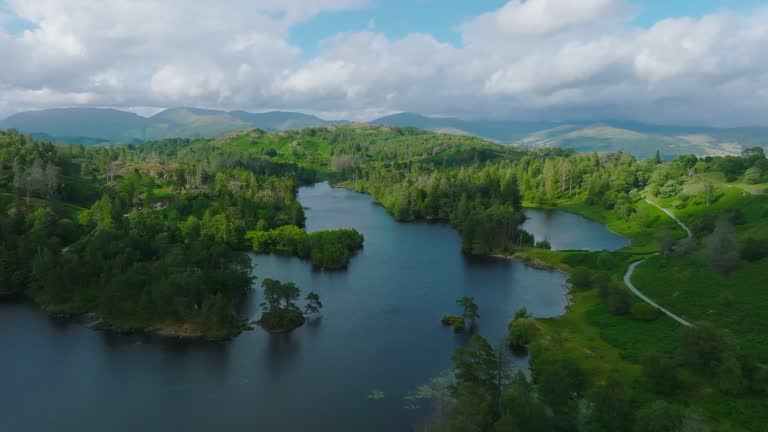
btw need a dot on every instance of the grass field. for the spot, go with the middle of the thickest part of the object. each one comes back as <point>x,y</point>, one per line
<point>611,345</point>
<point>696,184</point>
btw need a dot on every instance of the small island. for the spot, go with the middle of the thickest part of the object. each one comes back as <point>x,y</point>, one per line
<point>469,313</point>
<point>281,314</point>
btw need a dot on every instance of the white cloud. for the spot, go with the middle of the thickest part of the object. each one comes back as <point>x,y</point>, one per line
<point>553,59</point>
<point>536,17</point>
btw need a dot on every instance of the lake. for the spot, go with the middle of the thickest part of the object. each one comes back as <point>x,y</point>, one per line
<point>380,330</point>
<point>568,231</point>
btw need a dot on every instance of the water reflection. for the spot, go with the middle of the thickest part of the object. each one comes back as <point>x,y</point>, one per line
<point>566,231</point>
<point>380,329</point>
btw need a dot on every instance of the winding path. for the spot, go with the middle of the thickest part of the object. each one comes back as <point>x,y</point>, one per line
<point>633,266</point>
<point>670,214</point>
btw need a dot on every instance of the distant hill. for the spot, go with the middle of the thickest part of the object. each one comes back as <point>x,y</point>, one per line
<point>279,120</point>
<point>641,140</point>
<point>93,125</point>
<point>501,131</point>
<point>99,124</point>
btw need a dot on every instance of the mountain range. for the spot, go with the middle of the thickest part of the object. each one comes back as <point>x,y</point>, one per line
<point>93,126</point>
<point>96,125</point>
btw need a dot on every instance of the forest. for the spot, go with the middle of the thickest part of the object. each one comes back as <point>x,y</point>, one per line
<point>149,237</point>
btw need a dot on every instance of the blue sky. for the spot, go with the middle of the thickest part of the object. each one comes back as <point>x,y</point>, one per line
<point>441,18</point>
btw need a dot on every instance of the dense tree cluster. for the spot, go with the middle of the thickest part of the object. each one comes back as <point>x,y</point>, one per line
<point>281,313</point>
<point>482,202</point>
<point>484,394</point>
<point>159,246</point>
<point>330,249</point>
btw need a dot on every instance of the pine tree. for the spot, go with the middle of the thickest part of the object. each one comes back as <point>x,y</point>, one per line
<point>313,303</point>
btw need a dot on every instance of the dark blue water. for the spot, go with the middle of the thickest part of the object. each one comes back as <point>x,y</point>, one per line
<point>568,231</point>
<point>380,330</point>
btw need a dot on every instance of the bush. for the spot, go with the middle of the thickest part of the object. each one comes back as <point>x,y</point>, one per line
<point>580,278</point>
<point>522,313</point>
<point>705,346</point>
<point>659,416</point>
<point>601,280</point>
<point>617,300</point>
<point>758,381</point>
<point>684,247</point>
<point>642,311</point>
<point>660,374</point>
<point>726,299</point>
<point>606,261</point>
<point>521,333</point>
<point>754,249</point>
<point>670,189</point>
<point>730,377</point>
<point>705,225</point>
<point>753,175</point>
<point>454,321</point>
<point>737,217</point>
<point>544,244</point>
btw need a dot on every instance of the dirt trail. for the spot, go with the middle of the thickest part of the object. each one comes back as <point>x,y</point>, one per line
<point>633,266</point>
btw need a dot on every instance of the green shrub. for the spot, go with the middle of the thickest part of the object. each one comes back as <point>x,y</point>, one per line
<point>758,381</point>
<point>726,299</point>
<point>730,376</point>
<point>543,244</point>
<point>737,217</point>
<point>617,300</point>
<point>705,225</point>
<point>705,345</point>
<point>753,175</point>
<point>642,311</point>
<point>754,249</point>
<point>660,373</point>
<point>580,278</point>
<point>521,333</point>
<point>670,189</point>
<point>454,321</point>
<point>522,313</point>
<point>606,261</point>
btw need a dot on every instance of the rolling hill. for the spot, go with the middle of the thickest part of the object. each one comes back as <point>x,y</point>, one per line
<point>94,125</point>
<point>641,140</point>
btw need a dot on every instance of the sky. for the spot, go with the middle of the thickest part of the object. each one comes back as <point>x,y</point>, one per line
<point>697,62</point>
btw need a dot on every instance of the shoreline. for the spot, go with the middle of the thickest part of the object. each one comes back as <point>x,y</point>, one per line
<point>182,331</point>
<point>532,262</point>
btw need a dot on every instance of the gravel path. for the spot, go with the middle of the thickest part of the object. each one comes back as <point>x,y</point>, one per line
<point>633,266</point>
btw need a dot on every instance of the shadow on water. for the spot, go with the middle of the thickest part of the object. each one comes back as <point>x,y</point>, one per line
<point>313,324</point>
<point>282,352</point>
